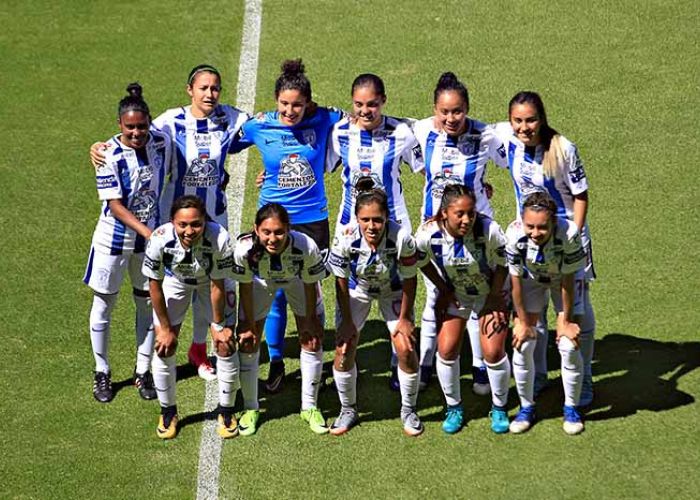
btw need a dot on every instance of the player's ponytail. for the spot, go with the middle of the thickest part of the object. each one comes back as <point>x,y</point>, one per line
<point>293,78</point>
<point>449,82</point>
<point>450,195</point>
<point>367,194</point>
<point>133,101</point>
<point>267,211</point>
<point>553,158</point>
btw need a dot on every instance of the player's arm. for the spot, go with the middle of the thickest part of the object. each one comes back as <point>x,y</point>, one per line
<point>580,209</point>
<point>523,326</point>
<point>129,219</point>
<point>97,154</point>
<point>566,327</point>
<point>220,333</point>
<point>166,336</point>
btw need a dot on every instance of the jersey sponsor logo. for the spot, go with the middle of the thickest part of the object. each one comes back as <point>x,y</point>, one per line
<point>143,203</point>
<point>501,151</point>
<point>337,260</point>
<point>240,270</point>
<point>202,140</point>
<point>202,172</point>
<point>527,169</point>
<point>445,178</point>
<point>225,263</point>
<point>146,171</point>
<point>288,141</point>
<point>576,172</point>
<point>365,153</point>
<point>417,152</point>
<point>107,182</point>
<point>150,263</point>
<point>295,172</point>
<point>319,268</point>
<point>449,154</point>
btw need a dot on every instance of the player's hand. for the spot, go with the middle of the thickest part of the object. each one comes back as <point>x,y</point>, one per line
<point>496,305</point>
<point>346,336</point>
<point>166,342</point>
<point>224,181</point>
<point>443,302</point>
<point>521,333</point>
<point>405,333</point>
<point>224,341</point>
<point>97,154</point>
<point>568,329</point>
<point>259,179</point>
<point>488,190</point>
<point>248,339</point>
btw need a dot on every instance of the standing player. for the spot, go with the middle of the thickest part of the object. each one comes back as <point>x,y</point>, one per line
<point>186,255</point>
<point>202,133</point>
<point>538,157</point>
<point>292,142</point>
<point>462,253</point>
<point>371,145</point>
<point>274,257</point>
<point>544,253</point>
<point>455,150</point>
<point>374,260</point>
<point>129,183</point>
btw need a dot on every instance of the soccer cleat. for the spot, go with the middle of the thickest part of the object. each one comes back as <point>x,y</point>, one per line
<point>426,373</point>
<point>394,379</point>
<point>206,371</point>
<point>412,426</point>
<point>167,423</point>
<point>586,398</point>
<point>102,387</point>
<point>454,419</point>
<point>145,386</point>
<point>227,425</point>
<point>197,356</point>
<point>523,420</point>
<point>275,378</point>
<point>541,383</point>
<point>499,420</point>
<point>573,424</point>
<point>314,418</point>
<point>347,419</point>
<point>248,424</point>
<point>481,386</point>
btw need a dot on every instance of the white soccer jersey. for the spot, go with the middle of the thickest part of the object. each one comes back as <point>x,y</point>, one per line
<point>468,263</point>
<point>300,260</point>
<point>136,177</point>
<point>562,254</point>
<point>525,167</point>
<point>377,154</point>
<point>210,258</point>
<point>374,272</point>
<point>202,145</point>
<point>460,160</point>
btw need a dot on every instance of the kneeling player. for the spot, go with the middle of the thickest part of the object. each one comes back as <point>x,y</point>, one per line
<point>544,253</point>
<point>375,260</point>
<point>185,256</point>
<point>273,257</point>
<point>462,253</point>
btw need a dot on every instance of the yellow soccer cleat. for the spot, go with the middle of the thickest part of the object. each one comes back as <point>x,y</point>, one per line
<point>167,426</point>
<point>228,426</point>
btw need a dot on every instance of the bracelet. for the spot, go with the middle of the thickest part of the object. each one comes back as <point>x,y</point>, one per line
<point>219,327</point>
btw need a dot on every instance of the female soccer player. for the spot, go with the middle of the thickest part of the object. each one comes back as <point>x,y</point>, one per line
<point>292,142</point>
<point>129,183</point>
<point>374,260</point>
<point>538,157</point>
<point>544,253</point>
<point>455,150</point>
<point>203,133</point>
<point>462,253</point>
<point>185,256</point>
<point>275,257</point>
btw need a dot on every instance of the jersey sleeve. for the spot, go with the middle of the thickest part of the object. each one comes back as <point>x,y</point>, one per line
<point>413,153</point>
<point>153,256</point>
<point>408,255</point>
<point>240,267</point>
<point>574,257</point>
<point>109,185</point>
<point>223,257</point>
<point>339,258</point>
<point>516,266</point>
<point>245,137</point>
<point>423,249</point>
<point>240,141</point>
<point>496,245</point>
<point>333,152</point>
<point>314,266</point>
<point>497,148</point>
<point>574,172</point>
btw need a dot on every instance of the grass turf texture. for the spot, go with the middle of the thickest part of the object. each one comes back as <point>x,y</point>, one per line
<point>618,78</point>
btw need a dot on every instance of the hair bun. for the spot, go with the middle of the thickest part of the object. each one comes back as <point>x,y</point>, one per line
<point>292,67</point>
<point>134,90</point>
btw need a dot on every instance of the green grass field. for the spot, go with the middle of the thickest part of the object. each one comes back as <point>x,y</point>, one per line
<point>618,78</point>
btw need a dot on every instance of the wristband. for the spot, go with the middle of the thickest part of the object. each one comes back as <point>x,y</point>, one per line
<point>218,327</point>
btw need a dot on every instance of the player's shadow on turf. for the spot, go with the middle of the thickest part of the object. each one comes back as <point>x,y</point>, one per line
<point>630,374</point>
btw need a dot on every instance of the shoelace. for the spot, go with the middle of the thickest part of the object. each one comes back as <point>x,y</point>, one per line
<point>571,414</point>
<point>102,382</point>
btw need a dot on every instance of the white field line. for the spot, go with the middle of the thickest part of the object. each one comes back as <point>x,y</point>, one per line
<point>210,446</point>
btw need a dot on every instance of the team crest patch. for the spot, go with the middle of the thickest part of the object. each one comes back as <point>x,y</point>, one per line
<point>295,172</point>
<point>309,137</point>
<point>202,172</point>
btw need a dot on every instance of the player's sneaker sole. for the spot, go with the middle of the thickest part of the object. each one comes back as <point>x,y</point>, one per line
<point>523,421</point>
<point>412,426</point>
<point>573,424</point>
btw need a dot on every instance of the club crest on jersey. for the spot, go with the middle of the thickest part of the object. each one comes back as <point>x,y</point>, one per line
<point>202,140</point>
<point>295,172</point>
<point>202,172</point>
<point>142,204</point>
<point>468,144</point>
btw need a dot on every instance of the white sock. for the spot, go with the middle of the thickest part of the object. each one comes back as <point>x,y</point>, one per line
<point>227,372</point>
<point>587,336</point>
<point>311,364</point>
<point>499,379</point>
<point>540,354</point>
<point>428,335</point>
<point>346,383</point>
<point>524,372</point>
<point>249,363</point>
<point>145,337</point>
<point>200,320</point>
<point>100,315</point>
<point>448,375</point>
<point>571,371</point>
<point>474,340</point>
<point>408,382</point>
<point>164,375</point>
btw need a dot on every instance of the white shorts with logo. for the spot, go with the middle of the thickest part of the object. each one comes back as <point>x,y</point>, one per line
<point>178,296</point>
<point>536,296</point>
<point>468,306</point>
<point>361,303</point>
<point>105,273</point>
<point>264,294</point>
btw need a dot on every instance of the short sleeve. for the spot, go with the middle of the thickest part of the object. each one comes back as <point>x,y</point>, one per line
<point>108,182</point>
<point>574,257</point>
<point>413,153</point>
<point>575,174</point>
<point>153,256</point>
<point>243,136</point>
<point>408,255</point>
<point>497,142</point>
<point>223,257</point>
<point>423,250</point>
<point>314,266</point>
<point>513,256</point>
<point>496,245</point>
<point>241,268</point>
<point>339,258</point>
<point>333,152</point>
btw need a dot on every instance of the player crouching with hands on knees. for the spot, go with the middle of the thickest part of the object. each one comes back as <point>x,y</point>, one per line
<point>185,256</point>
<point>544,252</point>
<point>374,260</point>
<point>462,252</point>
<point>273,257</point>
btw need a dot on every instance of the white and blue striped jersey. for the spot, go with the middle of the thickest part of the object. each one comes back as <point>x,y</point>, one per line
<point>374,272</point>
<point>456,160</point>
<point>201,147</point>
<point>562,254</point>
<point>377,154</point>
<point>467,264</point>
<point>525,166</point>
<point>210,258</point>
<point>136,177</point>
<point>300,260</point>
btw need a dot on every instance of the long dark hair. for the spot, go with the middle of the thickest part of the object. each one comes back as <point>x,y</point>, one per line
<point>267,211</point>
<point>293,78</point>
